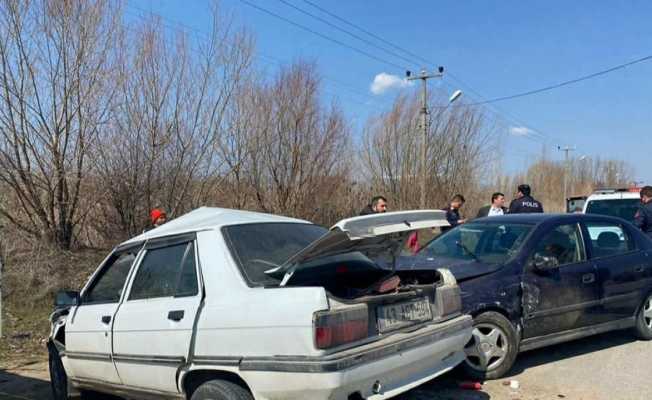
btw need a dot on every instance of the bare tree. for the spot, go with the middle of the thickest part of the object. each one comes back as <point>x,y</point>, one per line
<point>56,88</point>
<point>162,147</point>
<point>458,147</point>
<point>546,178</point>
<point>299,150</point>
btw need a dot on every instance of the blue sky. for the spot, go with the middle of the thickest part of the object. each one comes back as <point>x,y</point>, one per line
<point>496,48</point>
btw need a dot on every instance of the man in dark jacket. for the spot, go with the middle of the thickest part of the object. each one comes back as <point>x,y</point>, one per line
<point>497,206</point>
<point>453,212</point>
<point>378,205</point>
<point>524,202</point>
<point>643,217</point>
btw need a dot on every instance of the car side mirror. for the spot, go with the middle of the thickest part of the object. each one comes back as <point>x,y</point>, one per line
<point>66,298</point>
<point>544,263</point>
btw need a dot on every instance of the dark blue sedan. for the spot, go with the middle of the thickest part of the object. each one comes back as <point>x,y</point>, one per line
<point>534,280</point>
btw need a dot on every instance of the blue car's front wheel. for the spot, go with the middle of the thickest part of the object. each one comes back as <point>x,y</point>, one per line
<point>644,319</point>
<point>493,347</point>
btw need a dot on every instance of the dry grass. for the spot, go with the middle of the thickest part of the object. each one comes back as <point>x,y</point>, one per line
<point>32,274</point>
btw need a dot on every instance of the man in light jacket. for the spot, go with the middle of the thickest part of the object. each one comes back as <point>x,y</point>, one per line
<point>497,206</point>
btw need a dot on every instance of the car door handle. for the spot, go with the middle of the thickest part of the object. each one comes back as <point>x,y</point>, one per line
<point>639,268</point>
<point>588,278</point>
<point>106,319</point>
<point>176,315</point>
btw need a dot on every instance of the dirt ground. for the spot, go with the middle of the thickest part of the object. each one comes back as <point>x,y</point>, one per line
<point>611,366</point>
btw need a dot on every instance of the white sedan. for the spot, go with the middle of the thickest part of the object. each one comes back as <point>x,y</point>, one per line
<point>232,305</point>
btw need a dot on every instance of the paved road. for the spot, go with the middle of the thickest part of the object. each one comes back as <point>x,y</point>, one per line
<point>611,366</point>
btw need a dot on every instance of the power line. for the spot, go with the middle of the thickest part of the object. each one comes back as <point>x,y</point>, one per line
<point>497,99</point>
<point>351,24</point>
<point>323,36</point>
<point>540,136</point>
<point>565,83</point>
<point>489,101</point>
<point>265,58</point>
<point>358,37</point>
<point>415,56</point>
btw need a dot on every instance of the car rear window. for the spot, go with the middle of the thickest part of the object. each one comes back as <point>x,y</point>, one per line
<point>622,208</point>
<point>264,246</point>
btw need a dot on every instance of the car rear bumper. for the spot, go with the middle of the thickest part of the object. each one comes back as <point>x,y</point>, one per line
<point>376,371</point>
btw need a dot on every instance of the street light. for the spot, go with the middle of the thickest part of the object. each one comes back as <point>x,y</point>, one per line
<point>424,170</point>
<point>456,95</point>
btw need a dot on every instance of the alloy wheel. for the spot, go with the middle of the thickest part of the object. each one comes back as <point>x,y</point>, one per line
<point>487,348</point>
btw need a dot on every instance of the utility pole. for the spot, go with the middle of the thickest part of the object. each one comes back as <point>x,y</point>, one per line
<point>566,150</point>
<point>424,76</point>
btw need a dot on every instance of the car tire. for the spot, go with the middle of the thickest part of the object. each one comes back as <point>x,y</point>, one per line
<point>58,376</point>
<point>493,348</point>
<point>221,390</point>
<point>643,327</point>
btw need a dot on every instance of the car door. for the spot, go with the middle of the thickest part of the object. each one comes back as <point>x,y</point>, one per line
<point>154,324</point>
<point>88,329</point>
<point>565,293</point>
<point>621,267</point>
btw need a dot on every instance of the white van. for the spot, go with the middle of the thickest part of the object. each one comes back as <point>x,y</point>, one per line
<point>621,203</point>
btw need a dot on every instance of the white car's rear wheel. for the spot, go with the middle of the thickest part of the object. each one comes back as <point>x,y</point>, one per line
<point>221,390</point>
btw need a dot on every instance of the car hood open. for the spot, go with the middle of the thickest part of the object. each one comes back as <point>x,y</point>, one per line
<point>373,235</point>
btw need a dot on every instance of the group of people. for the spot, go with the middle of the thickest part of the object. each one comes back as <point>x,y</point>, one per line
<point>522,204</point>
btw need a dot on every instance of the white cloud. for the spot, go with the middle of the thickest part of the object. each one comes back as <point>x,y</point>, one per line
<point>520,131</point>
<point>384,82</point>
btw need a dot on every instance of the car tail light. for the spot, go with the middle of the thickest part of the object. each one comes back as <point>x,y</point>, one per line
<point>335,328</point>
<point>448,299</point>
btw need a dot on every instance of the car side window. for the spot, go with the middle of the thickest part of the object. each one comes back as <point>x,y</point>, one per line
<point>561,246</point>
<point>166,272</point>
<point>609,239</point>
<point>187,284</point>
<point>108,286</point>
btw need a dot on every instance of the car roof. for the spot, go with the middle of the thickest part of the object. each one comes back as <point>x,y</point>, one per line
<point>539,218</point>
<point>535,218</point>
<point>614,196</point>
<point>209,218</point>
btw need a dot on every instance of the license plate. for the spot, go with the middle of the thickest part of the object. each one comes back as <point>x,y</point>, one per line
<point>400,315</point>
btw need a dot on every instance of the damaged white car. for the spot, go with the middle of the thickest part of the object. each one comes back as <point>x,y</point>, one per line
<point>231,305</point>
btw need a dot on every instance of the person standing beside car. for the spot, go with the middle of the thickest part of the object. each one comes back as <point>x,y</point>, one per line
<point>497,207</point>
<point>378,205</point>
<point>643,216</point>
<point>524,202</point>
<point>453,212</point>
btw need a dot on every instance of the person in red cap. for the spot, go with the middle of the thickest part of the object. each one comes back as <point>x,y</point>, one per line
<point>158,217</point>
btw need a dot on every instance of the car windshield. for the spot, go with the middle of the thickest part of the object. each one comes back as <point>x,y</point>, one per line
<point>491,243</point>
<point>261,247</point>
<point>622,208</point>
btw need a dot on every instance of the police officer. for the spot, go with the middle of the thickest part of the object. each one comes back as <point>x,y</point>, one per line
<point>524,202</point>
<point>643,217</point>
